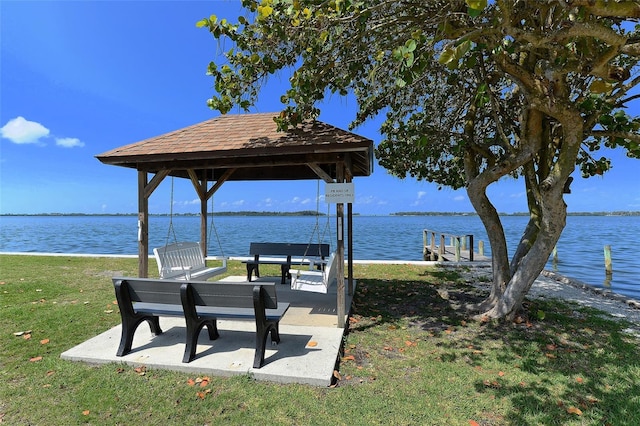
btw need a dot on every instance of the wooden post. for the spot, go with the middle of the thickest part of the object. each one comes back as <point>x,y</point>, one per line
<point>143,226</point>
<point>204,244</point>
<point>555,254</point>
<point>341,299</point>
<point>202,194</point>
<point>350,244</point>
<point>424,244</point>
<point>456,247</point>
<point>442,247</point>
<point>433,246</point>
<point>607,260</point>
<point>470,248</point>
<point>481,248</point>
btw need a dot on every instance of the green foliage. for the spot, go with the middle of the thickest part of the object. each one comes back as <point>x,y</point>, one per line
<point>451,80</point>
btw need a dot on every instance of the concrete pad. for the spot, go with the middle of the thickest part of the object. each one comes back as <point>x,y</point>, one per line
<point>310,342</point>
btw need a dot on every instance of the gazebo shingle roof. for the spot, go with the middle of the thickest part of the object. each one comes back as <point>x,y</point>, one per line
<point>251,144</point>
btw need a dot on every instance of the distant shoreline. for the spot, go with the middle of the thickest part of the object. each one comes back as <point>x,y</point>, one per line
<point>302,213</point>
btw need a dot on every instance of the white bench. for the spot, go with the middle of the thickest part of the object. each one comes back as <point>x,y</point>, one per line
<point>314,280</point>
<point>184,261</point>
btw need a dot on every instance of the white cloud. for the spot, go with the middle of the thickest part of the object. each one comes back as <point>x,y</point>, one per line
<point>421,194</point>
<point>69,142</point>
<point>459,198</point>
<point>21,131</point>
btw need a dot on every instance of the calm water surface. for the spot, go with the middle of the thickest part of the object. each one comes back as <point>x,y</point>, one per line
<point>580,249</point>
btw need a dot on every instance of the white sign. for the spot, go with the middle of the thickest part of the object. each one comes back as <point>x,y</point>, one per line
<point>339,193</point>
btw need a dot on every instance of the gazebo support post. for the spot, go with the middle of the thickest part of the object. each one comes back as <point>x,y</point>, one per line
<point>349,179</point>
<point>201,189</point>
<point>143,226</point>
<point>341,299</point>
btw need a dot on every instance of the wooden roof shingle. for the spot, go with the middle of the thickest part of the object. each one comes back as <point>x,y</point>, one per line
<point>251,144</point>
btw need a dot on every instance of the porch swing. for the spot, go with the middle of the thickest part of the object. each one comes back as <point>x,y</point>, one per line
<point>319,276</point>
<point>185,260</point>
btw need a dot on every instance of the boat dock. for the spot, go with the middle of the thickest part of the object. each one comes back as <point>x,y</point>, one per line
<point>441,246</point>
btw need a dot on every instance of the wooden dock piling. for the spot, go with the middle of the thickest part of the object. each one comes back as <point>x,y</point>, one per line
<point>460,248</point>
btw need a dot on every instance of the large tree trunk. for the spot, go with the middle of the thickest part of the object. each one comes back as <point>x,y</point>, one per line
<point>547,209</point>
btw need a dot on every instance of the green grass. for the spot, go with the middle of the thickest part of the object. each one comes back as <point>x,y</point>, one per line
<point>411,357</point>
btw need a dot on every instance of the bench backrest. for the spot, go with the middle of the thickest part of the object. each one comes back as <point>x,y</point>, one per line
<point>151,290</point>
<point>331,270</point>
<point>232,295</point>
<point>289,249</point>
<point>175,256</point>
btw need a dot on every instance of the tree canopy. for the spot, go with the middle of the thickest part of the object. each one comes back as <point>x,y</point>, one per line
<point>471,92</point>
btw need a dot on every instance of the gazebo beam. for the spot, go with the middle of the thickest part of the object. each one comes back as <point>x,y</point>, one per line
<point>321,173</point>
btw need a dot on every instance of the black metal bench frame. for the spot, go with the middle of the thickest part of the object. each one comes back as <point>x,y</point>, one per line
<point>200,303</point>
<point>285,251</point>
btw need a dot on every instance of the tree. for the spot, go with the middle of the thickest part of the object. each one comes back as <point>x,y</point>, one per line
<point>472,92</point>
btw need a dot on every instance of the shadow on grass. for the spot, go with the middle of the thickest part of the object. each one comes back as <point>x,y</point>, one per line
<point>576,363</point>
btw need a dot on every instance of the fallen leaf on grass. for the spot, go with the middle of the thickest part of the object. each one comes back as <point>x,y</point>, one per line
<point>203,394</point>
<point>86,412</point>
<point>349,358</point>
<point>50,373</point>
<point>501,373</point>
<point>473,423</point>
<point>26,336</point>
<point>21,333</point>
<point>142,370</point>
<point>337,375</point>
<point>579,380</point>
<point>574,410</point>
<point>108,311</point>
<point>492,384</point>
<point>44,341</point>
<point>36,359</point>
<point>191,382</point>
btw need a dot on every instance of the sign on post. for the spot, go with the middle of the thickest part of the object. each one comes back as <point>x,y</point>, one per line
<point>339,193</point>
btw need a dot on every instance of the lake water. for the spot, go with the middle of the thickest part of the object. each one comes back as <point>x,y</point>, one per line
<point>580,249</point>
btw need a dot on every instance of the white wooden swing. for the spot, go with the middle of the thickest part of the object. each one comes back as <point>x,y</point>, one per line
<point>185,260</point>
<point>320,275</point>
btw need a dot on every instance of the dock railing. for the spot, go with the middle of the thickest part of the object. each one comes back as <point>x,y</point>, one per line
<point>458,244</point>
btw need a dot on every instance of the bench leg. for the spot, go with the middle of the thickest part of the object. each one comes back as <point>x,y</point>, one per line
<point>284,272</point>
<point>262,332</point>
<point>129,327</point>
<point>193,331</point>
<point>250,269</point>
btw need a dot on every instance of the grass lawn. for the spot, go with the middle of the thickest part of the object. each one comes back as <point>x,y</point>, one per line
<point>411,357</point>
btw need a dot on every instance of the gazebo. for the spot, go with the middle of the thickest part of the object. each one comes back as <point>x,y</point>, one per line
<point>247,147</point>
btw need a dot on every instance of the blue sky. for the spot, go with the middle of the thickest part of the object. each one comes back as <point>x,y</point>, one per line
<point>78,78</point>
